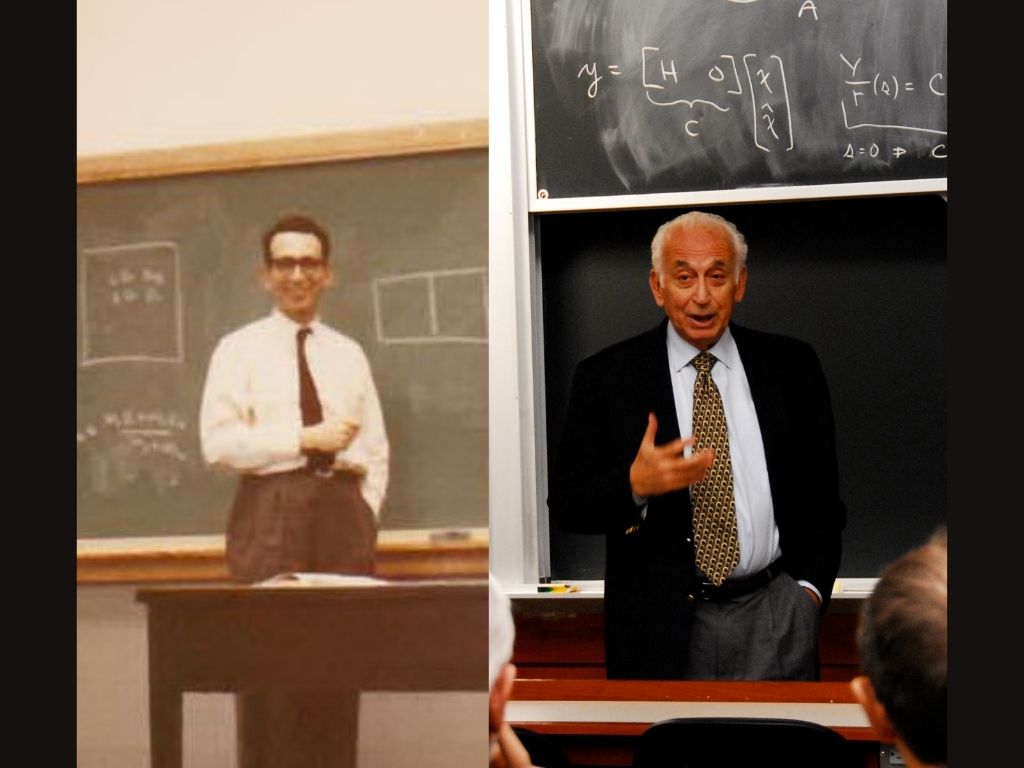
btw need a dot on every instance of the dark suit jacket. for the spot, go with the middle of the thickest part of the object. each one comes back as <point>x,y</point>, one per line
<point>650,576</point>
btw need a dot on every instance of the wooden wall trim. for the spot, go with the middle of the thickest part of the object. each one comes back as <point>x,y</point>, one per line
<point>425,138</point>
<point>400,555</point>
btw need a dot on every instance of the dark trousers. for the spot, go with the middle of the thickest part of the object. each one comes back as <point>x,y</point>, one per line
<point>299,521</point>
<point>295,522</point>
<point>768,634</point>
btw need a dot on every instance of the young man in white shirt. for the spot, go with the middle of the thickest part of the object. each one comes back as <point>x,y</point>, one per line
<point>291,407</point>
<point>311,484</point>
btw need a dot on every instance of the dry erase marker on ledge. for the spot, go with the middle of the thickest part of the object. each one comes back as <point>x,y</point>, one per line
<point>557,588</point>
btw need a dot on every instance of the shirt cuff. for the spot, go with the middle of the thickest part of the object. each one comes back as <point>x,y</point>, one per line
<point>810,586</point>
<point>641,502</point>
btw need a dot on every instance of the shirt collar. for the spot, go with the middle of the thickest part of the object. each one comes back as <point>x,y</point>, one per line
<point>681,352</point>
<point>287,325</point>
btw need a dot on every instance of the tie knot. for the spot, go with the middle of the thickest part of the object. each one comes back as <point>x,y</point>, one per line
<point>703,362</point>
<point>303,333</point>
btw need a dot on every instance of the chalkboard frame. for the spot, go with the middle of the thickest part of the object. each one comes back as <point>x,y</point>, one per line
<point>539,202</point>
<point>407,553</point>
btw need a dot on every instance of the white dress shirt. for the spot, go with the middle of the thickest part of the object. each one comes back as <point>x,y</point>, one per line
<point>250,419</point>
<point>755,516</point>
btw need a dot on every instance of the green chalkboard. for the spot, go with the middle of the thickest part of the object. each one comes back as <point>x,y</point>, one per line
<point>166,266</point>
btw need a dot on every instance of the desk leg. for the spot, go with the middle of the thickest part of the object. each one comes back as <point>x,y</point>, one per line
<point>164,726</point>
<point>298,729</point>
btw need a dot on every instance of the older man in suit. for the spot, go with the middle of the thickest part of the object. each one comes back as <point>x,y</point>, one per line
<point>722,540</point>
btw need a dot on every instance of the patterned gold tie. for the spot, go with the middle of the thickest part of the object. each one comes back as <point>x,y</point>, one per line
<point>714,506</point>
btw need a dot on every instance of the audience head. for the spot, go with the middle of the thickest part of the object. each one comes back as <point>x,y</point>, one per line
<point>501,672</point>
<point>902,645</point>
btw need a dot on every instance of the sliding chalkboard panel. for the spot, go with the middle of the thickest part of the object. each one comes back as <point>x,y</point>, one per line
<point>862,280</point>
<point>166,266</point>
<point>631,99</point>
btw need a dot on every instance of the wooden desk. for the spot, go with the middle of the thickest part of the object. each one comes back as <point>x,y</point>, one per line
<point>597,722</point>
<point>422,636</point>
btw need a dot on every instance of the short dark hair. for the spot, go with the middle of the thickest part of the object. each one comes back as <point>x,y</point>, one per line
<point>902,644</point>
<point>297,223</point>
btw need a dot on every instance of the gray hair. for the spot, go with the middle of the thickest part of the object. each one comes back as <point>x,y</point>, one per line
<point>502,630</point>
<point>902,643</point>
<point>697,220</point>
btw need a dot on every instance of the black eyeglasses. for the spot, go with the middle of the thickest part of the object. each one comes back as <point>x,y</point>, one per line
<point>287,264</point>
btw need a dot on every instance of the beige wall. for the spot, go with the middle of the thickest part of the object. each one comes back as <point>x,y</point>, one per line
<point>163,73</point>
<point>156,74</point>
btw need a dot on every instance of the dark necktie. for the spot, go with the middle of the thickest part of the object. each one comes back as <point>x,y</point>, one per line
<point>309,403</point>
<point>714,505</point>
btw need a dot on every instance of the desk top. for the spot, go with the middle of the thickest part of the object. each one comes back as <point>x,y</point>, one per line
<point>842,589</point>
<point>318,587</point>
<point>627,707</point>
<point>387,636</point>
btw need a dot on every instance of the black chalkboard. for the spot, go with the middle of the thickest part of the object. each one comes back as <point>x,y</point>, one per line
<point>166,266</point>
<point>862,280</point>
<point>664,96</point>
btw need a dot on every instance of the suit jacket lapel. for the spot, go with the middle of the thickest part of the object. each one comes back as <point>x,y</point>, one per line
<point>653,370</point>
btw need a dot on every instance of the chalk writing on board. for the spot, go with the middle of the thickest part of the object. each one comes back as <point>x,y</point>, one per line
<point>676,95</point>
<point>123,445</point>
<point>130,304</point>
<point>765,78</point>
<point>440,306</point>
<point>874,94</point>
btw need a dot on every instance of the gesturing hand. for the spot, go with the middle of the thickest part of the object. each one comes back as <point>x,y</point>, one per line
<point>659,469</point>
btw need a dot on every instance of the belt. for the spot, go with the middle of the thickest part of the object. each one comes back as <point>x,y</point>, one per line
<point>744,585</point>
<point>338,471</point>
<point>336,474</point>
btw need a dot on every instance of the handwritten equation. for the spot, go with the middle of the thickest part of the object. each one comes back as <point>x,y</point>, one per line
<point>122,445</point>
<point>128,286</point>
<point>871,101</point>
<point>760,82</point>
<point>149,431</point>
<point>765,80</point>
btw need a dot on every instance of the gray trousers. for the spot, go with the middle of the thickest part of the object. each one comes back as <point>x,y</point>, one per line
<point>768,634</point>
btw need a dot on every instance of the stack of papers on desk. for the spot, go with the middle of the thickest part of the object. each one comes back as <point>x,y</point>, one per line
<point>320,580</point>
